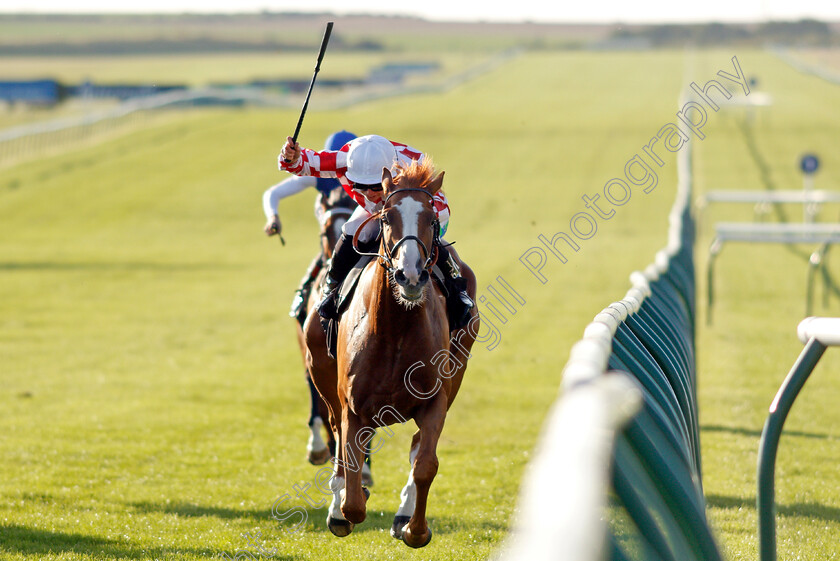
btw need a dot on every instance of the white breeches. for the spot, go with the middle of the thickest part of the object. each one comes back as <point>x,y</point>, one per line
<point>360,215</point>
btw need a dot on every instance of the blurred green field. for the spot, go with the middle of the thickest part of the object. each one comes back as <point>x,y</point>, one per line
<point>292,30</point>
<point>153,399</point>
<point>202,70</point>
<point>206,69</point>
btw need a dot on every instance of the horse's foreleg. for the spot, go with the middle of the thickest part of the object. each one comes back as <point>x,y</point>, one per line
<point>336,522</point>
<point>325,416</point>
<point>353,504</point>
<point>317,451</point>
<point>430,420</point>
<point>321,410</point>
<point>408,495</point>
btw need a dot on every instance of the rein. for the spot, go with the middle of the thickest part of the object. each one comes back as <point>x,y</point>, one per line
<point>387,260</point>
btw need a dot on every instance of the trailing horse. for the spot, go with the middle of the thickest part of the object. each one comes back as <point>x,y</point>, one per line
<point>332,212</point>
<point>396,359</point>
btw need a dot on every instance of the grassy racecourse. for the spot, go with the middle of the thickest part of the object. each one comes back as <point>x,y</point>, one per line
<point>202,70</point>
<point>153,400</point>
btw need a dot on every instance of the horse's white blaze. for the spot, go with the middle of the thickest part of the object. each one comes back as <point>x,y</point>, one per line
<point>408,495</point>
<point>410,255</point>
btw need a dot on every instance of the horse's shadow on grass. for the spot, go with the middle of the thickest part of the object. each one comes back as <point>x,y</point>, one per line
<point>757,432</point>
<point>806,510</point>
<point>38,542</point>
<point>378,520</point>
<point>315,519</point>
<point>190,510</point>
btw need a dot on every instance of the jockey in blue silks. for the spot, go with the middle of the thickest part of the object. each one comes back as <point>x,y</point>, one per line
<point>288,187</point>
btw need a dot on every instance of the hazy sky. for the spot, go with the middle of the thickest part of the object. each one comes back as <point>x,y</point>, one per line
<point>521,10</point>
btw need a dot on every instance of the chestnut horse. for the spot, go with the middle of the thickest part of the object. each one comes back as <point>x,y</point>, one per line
<point>396,359</point>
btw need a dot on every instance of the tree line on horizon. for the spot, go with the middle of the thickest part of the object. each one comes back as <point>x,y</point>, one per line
<point>805,32</point>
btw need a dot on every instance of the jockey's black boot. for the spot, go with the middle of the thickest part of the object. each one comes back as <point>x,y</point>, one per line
<point>458,301</point>
<point>343,259</point>
<point>298,309</point>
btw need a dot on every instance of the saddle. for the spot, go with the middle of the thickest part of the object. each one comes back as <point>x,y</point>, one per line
<point>345,294</point>
<point>348,287</point>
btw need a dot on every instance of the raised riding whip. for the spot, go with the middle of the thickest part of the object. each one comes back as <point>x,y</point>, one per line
<point>324,42</point>
<point>323,50</point>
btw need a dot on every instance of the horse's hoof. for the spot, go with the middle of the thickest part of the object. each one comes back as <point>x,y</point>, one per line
<point>340,528</point>
<point>398,525</point>
<point>318,457</point>
<point>416,541</point>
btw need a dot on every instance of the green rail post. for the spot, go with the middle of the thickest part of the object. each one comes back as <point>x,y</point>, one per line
<point>779,409</point>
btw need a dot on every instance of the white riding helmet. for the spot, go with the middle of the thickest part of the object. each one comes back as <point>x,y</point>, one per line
<point>366,158</point>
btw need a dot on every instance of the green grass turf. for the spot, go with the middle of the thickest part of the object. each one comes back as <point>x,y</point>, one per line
<point>153,401</point>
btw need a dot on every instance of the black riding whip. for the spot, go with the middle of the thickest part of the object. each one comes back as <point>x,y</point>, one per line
<point>324,42</point>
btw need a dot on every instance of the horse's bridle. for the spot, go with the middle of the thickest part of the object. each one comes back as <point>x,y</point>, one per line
<point>387,259</point>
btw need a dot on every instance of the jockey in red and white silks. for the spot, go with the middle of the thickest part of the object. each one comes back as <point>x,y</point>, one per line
<point>334,164</point>
<point>358,167</point>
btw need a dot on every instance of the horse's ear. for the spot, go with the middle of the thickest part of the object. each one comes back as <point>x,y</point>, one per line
<point>436,183</point>
<point>387,180</point>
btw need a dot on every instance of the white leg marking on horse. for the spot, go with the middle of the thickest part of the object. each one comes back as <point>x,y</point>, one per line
<point>408,495</point>
<point>316,441</point>
<point>337,487</point>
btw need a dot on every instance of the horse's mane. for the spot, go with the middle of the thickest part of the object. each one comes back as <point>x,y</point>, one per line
<point>419,174</point>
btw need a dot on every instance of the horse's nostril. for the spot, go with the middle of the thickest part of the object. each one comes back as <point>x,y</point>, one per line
<point>400,277</point>
<point>424,277</point>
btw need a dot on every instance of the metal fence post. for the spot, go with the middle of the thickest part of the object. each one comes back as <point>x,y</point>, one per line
<point>779,409</point>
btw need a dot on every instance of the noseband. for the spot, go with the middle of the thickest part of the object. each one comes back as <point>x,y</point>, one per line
<point>387,259</point>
